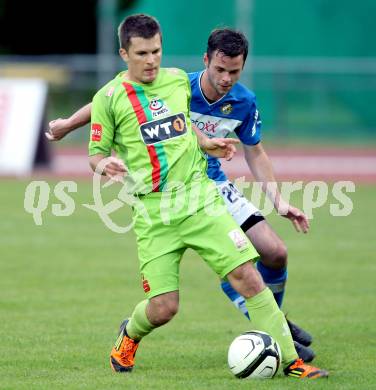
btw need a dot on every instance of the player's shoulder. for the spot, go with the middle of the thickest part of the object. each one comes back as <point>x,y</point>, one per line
<point>114,85</point>
<point>240,92</point>
<point>174,73</point>
<point>194,76</point>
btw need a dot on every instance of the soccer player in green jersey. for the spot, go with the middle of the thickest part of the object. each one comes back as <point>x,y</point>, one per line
<point>143,114</point>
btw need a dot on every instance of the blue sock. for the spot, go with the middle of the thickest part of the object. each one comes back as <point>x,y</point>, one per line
<point>234,297</point>
<point>275,279</point>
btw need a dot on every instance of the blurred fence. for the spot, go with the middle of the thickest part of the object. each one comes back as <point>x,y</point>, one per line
<point>316,100</point>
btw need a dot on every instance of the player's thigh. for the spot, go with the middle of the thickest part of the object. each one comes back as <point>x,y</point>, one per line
<point>160,251</point>
<point>238,205</point>
<point>265,240</point>
<point>218,239</point>
<point>160,275</point>
<point>267,243</point>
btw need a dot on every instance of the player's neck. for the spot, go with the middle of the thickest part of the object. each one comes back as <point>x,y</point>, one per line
<point>209,92</point>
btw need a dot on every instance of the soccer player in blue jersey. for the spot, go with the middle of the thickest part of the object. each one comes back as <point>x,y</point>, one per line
<point>221,106</point>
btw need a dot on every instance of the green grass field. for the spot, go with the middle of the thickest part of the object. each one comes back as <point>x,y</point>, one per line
<point>66,285</point>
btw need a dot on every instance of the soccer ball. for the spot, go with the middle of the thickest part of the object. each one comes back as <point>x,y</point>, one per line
<point>254,354</point>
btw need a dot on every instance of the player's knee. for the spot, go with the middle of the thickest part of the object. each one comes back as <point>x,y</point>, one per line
<point>246,280</point>
<point>277,259</point>
<point>164,311</point>
<point>281,256</point>
<point>171,309</point>
<point>240,272</point>
<point>166,315</point>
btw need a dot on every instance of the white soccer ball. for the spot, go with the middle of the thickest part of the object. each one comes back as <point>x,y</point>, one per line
<point>254,354</point>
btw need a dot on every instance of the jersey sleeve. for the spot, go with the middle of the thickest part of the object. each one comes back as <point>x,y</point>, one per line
<point>189,93</point>
<point>102,126</point>
<point>249,132</point>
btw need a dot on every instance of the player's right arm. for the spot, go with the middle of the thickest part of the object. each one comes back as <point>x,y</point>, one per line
<point>60,127</point>
<point>101,141</point>
<point>111,166</point>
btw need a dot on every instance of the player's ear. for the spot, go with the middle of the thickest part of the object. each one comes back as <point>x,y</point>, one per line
<point>123,54</point>
<point>206,59</point>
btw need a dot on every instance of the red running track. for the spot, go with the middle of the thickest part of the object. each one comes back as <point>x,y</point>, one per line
<point>326,164</point>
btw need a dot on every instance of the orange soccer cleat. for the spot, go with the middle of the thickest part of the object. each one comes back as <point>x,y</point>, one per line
<point>298,369</point>
<point>124,351</point>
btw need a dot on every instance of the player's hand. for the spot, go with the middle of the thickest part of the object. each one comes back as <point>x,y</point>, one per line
<point>297,217</point>
<point>58,129</point>
<point>115,169</point>
<point>220,147</point>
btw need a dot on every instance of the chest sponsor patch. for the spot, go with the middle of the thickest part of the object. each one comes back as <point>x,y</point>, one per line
<point>163,129</point>
<point>214,126</point>
<point>158,107</point>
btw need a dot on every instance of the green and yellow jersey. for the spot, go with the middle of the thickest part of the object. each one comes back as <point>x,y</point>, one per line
<point>149,127</point>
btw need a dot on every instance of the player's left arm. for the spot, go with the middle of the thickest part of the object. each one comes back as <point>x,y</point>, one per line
<point>59,128</point>
<point>216,147</point>
<point>262,169</point>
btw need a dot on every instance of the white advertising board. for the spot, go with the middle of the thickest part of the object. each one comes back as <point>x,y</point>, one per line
<point>22,105</point>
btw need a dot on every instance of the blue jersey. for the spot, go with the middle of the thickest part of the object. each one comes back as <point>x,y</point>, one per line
<point>236,112</point>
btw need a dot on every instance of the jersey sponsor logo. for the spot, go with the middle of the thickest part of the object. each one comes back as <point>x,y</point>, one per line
<point>214,126</point>
<point>226,109</point>
<point>96,132</point>
<point>163,129</point>
<point>239,240</point>
<point>207,127</point>
<point>158,107</point>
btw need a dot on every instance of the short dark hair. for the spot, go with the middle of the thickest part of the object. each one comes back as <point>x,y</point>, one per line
<point>227,41</point>
<point>138,25</point>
